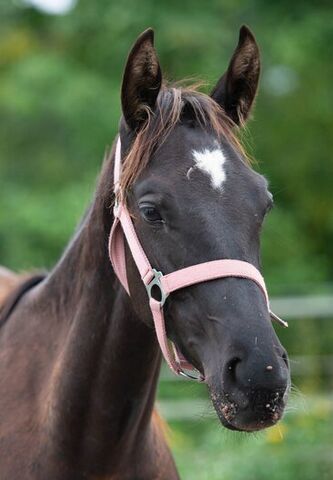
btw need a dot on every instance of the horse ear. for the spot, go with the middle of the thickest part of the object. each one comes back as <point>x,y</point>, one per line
<point>236,89</point>
<point>142,80</point>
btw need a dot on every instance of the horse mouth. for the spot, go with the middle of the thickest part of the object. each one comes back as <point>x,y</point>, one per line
<point>253,426</point>
<point>248,416</point>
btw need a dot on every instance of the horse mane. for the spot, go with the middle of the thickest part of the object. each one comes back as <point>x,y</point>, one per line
<point>172,102</point>
<point>19,285</point>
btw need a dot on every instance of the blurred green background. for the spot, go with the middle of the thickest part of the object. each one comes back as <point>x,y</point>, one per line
<point>60,74</point>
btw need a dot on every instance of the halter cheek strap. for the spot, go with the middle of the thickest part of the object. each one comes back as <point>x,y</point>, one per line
<point>166,284</point>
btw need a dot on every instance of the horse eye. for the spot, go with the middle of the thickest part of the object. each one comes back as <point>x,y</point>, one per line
<point>150,214</point>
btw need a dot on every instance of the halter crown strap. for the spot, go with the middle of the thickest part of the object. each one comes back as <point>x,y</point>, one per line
<point>123,227</point>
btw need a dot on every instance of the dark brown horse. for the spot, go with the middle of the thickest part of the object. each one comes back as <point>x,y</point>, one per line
<point>79,360</point>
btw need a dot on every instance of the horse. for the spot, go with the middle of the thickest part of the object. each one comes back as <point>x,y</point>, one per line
<point>79,357</point>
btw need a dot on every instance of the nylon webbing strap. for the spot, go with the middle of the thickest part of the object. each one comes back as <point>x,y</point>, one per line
<point>123,228</point>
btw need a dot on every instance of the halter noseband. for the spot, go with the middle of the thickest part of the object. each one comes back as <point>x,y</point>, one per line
<point>123,227</point>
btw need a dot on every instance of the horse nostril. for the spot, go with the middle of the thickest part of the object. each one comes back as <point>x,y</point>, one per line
<point>285,359</point>
<point>231,367</point>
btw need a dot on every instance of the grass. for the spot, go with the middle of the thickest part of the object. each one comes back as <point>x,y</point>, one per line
<point>298,448</point>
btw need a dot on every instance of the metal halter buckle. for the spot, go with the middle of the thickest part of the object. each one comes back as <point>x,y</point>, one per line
<point>156,281</point>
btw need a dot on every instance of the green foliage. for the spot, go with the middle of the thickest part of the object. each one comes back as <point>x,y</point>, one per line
<point>59,110</point>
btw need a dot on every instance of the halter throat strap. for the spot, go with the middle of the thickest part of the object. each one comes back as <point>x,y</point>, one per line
<point>152,279</point>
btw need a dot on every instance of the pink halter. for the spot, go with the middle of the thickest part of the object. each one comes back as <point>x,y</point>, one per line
<point>123,226</point>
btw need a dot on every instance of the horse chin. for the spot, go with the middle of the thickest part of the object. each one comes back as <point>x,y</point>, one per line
<point>254,426</point>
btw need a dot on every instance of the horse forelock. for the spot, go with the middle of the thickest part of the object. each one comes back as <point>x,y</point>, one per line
<point>172,102</point>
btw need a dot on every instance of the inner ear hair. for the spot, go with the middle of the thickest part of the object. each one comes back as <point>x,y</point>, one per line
<point>236,90</point>
<point>141,82</point>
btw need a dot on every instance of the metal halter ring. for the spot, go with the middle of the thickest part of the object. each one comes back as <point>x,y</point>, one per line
<point>199,378</point>
<point>156,282</point>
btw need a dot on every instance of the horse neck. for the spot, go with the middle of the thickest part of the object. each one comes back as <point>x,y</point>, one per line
<point>107,367</point>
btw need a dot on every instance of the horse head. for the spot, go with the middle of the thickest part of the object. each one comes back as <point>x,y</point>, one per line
<point>194,198</point>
